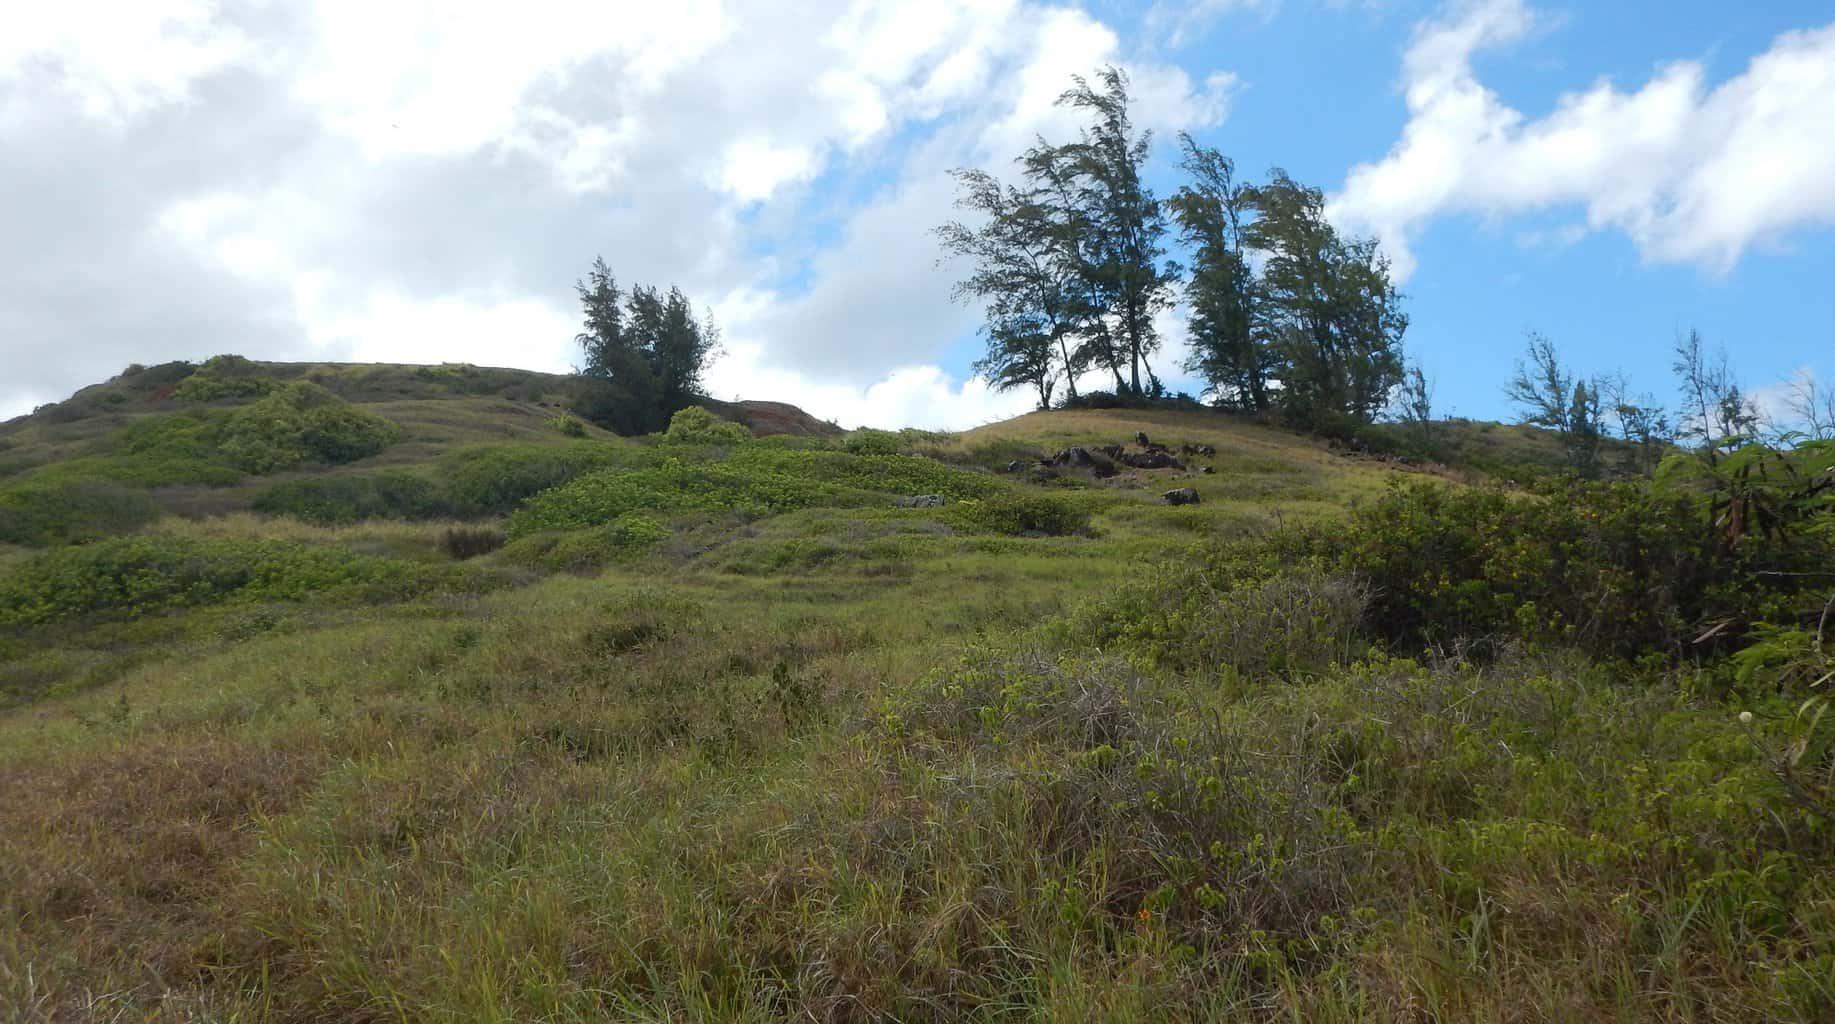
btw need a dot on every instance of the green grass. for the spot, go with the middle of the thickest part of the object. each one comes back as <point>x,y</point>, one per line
<point>723,735</point>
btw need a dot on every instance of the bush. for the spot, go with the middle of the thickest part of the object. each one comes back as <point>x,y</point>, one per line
<point>579,550</point>
<point>753,480</point>
<point>349,499</point>
<point>495,479</point>
<point>66,509</point>
<point>143,574</point>
<point>571,426</point>
<point>298,424</point>
<point>225,377</point>
<point>696,426</point>
<point>1019,515</point>
<point>462,542</point>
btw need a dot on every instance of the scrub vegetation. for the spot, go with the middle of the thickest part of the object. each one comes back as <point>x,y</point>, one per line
<point>371,693</point>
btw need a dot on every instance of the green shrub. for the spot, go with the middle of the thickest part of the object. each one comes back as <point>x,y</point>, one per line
<point>695,425</point>
<point>579,550</point>
<point>225,377</point>
<point>1019,515</point>
<point>64,509</point>
<point>752,480</point>
<point>571,426</point>
<point>674,486</point>
<point>349,499</point>
<point>494,479</point>
<point>298,424</point>
<point>134,575</point>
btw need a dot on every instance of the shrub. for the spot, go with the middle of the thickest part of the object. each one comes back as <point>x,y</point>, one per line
<point>143,574</point>
<point>225,377</point>
<point>579,550</point>
<point>569,425</point>
<point>495,479</point>
<point>301,423</point>
<point>696,426</point>
<point>349,499</point>
<point>462,542</point>
<point>65,509</point>
<point>1019,515</point>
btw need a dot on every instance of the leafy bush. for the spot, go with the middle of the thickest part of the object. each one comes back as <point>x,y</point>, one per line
<point>579,550</point>
<point>674,486</point>
<point>349,499</point>
<point>569,425</point>
<point>494,479</point>
<point>1019,514</point>
<point>63,509</point>
<point>753,480</point>
<point>143,574</point>
<point>695,425</point>
<point>298,424</point>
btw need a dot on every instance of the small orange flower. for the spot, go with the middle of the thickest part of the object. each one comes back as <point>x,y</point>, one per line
<point>1145,914</point>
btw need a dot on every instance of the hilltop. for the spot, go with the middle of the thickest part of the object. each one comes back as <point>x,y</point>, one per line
<point>337,692</point>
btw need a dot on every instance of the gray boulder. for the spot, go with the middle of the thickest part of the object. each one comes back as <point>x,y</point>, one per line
<point>921,501</point>
<point>1180,496</point>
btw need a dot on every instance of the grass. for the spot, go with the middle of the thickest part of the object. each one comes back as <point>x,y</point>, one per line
<point>843,761</point>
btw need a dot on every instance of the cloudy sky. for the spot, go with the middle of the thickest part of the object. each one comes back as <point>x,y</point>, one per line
<point>405,181</point>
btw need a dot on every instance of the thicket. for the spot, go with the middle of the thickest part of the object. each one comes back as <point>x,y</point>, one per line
<point>135,575</point>
<point>350,499</point>
<point>64,510</point>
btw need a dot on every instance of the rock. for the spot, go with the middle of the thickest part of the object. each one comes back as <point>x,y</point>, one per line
<point>1113,451</point>
<point>921,501</point>
<point>1152,458</point>
<point>1197,449</point>
<point>1180,496</point>
<point>1207,470</point>
<point>1079,457</point>
<point>1140,438</point>
<point>1017,466</point>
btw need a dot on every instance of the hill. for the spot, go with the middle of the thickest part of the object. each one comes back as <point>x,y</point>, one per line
<point>393,693</point>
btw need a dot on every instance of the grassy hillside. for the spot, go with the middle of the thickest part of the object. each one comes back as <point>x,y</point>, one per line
<point>512,720</point>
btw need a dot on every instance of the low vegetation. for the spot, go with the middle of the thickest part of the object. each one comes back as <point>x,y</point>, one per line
<point>883,727</point>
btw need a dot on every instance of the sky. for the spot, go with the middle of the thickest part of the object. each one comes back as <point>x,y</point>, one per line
<point>424,181</point>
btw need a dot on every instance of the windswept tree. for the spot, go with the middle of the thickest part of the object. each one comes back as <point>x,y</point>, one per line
<point>1715,412</point>
<point>1325,306</point>
<point>1124,224</point>
<point>1021,276</point>
<point>1220,293</point>
<point>643,354</point>
<point>1553,398</point>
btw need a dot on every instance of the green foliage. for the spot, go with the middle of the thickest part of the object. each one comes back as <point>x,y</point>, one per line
<point>135,575</point>
<point>65,508</point>
<point>648,347</point>
<point>697,426</point>
<point>349,499</point>
<point>620,540</point>
<point>753,480</point>
<point>570,426</point>
<point>1019,515</point>
<point>490,480</point>
<point>298,424</point>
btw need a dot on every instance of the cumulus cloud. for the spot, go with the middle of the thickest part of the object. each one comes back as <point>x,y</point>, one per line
<point>1692,172</point>
<point>424,181</point>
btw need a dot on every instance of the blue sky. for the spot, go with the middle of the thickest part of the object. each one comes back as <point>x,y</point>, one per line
<point>1320,92</point>
<point>423,180</point>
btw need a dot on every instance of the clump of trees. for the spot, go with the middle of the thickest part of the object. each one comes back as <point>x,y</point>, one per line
<point>644,353</point>
<point>1714,417</point>
<point>1286,316</point>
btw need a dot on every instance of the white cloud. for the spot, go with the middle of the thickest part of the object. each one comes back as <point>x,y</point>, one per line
<point>115,60</point>
<point>425,180</point>
<point>1692,174</point>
